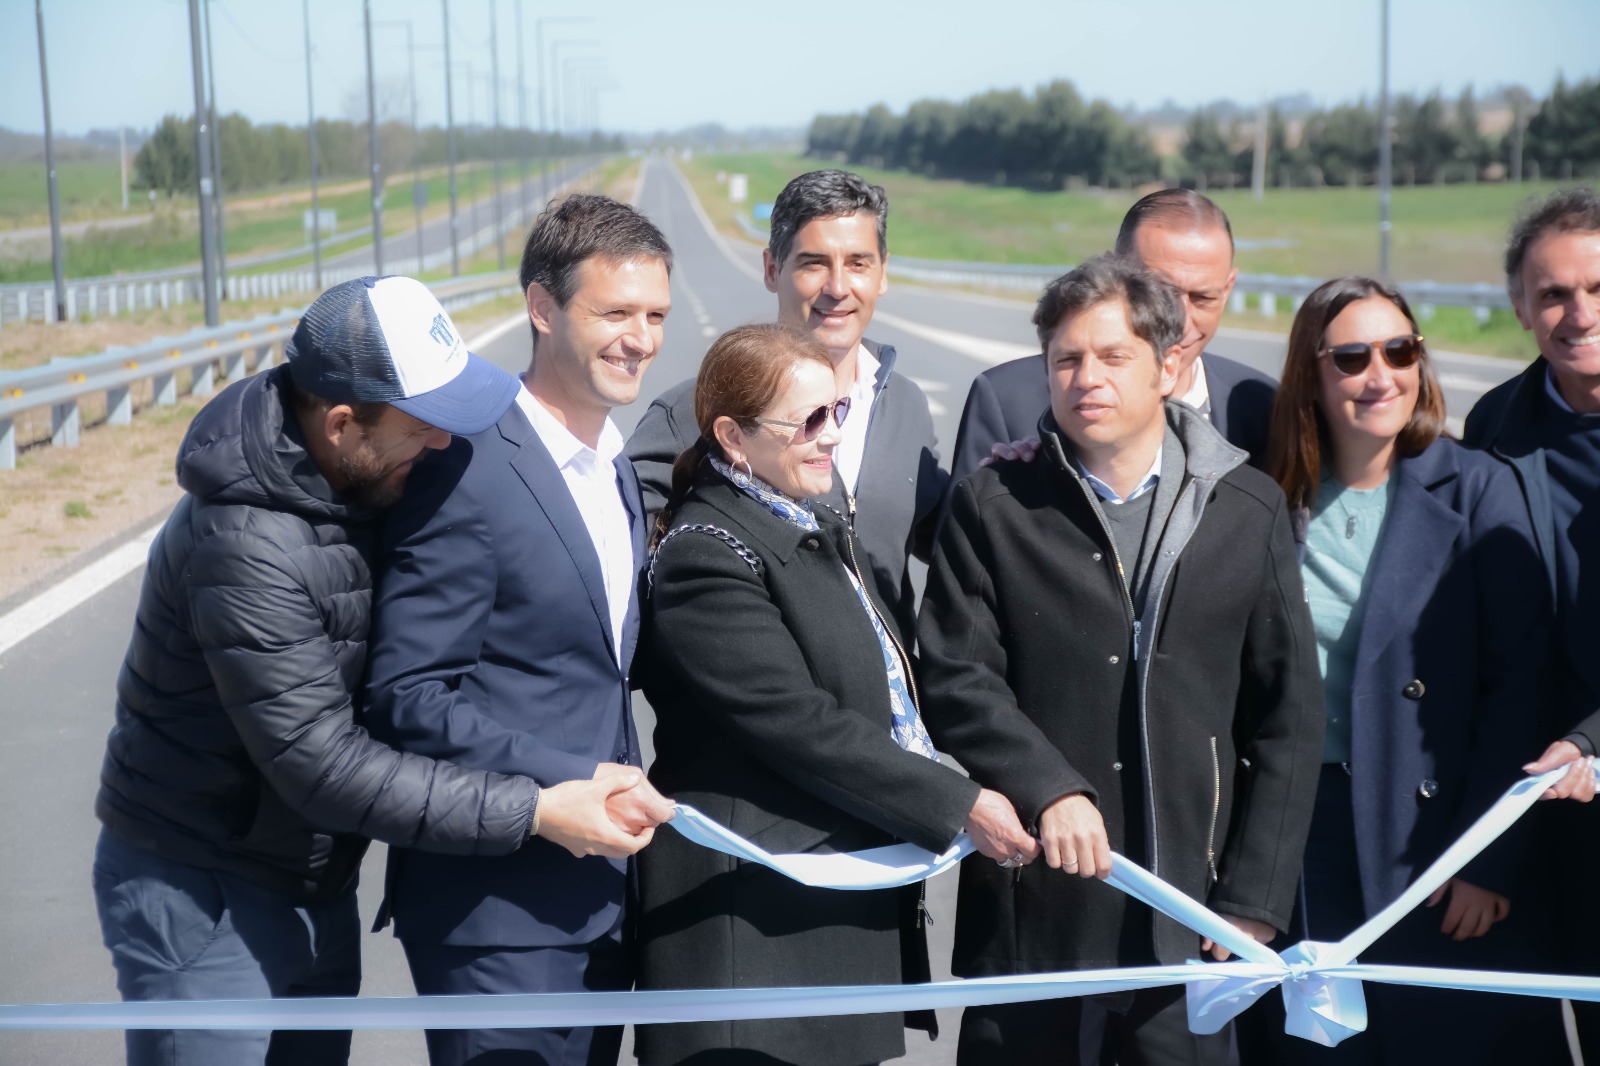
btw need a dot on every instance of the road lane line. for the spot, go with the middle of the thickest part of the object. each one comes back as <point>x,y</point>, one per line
<point>983,349</point>
<point>24,621</point>
<point>494,333</point>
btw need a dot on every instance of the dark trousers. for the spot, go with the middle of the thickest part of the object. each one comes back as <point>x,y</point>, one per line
<point>1154,1031</point>
<point>1404,1024</point>
<point>443,970</point>
<point>181,932</point>
<point>1569,862</point>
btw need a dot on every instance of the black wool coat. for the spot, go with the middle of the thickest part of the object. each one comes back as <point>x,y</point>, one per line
<point>773,718</point>
<point>1213,732</point>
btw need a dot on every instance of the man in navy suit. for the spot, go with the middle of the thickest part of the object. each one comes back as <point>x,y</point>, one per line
<point>505,626</point>
<point>1187,240</point>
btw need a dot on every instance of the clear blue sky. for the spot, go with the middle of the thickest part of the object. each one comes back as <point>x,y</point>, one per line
<point>741,64</point>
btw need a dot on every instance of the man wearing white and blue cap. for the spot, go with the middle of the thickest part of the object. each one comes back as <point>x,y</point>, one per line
<point>238,793</point>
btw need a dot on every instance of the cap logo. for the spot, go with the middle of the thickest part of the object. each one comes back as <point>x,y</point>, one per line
<point>441,331</point>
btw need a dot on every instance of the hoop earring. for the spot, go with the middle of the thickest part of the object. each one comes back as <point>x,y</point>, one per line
<point>743,478</point>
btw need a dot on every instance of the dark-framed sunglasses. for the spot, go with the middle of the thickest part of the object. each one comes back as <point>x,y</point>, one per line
<point>840,409</point>
<point>1354,358</point>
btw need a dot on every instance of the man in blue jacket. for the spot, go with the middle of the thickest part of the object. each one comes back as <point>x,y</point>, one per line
<point>239,789</point>
<point>1186,240</point>
<point>504,630</point>
<point>1545,422</point>
<point>827,261</point>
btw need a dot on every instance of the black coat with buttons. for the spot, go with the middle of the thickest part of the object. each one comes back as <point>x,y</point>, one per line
<point>773,718</point>
<point>1031,682</point>
<point>1445,693</point>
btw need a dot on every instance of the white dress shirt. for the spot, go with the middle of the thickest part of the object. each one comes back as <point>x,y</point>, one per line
<point>1199,394</point>
<point>591,477</point>
<point>852,446</point>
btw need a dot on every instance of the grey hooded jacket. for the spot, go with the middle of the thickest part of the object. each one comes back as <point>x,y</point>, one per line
<point>236,745</point>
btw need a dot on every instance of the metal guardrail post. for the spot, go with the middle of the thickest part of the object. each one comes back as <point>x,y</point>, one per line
<point>8,444</point>
<point>119,406</point>
<point>64,424</point>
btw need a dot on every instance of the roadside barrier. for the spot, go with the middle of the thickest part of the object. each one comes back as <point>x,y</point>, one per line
<point>1321,983</point>
<point>1267,289</point>
<point>232,350</point>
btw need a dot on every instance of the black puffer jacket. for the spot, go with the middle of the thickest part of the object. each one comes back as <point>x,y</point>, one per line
<point>236,745</point>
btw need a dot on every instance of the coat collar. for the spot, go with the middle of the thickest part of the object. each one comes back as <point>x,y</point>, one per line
<point>780,539</point>
<point>1207,454</point>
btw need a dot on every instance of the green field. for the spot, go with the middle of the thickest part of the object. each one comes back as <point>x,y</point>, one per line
<point>1450,233</point>
<point>87,188</point>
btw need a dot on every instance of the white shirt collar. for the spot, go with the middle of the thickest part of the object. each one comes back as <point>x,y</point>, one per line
<point>1109,495</point>
<point>559,440</point>
<point>866,371</point>
<point>1199,394</point>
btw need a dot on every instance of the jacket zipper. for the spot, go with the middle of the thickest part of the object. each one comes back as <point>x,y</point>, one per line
<point>905,660</point>
<point>1216,809</point>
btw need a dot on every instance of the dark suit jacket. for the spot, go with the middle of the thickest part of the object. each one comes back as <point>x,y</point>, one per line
<point>1447,671</point>
<point>1005,402</point>
<point>774,719</point>
<point>897,495</point>
<point>492,647</point>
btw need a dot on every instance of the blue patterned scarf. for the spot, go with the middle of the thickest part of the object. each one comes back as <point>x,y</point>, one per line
<point>907,730</point>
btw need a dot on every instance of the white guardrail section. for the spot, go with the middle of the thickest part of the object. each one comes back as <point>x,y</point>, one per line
<point>119,293</point>
<point>233,350</point>
<point>1268,289</point>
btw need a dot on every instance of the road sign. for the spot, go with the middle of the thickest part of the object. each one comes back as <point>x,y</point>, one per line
<point>738,187</point>
<point>327,221</point>
<point>761,212</point>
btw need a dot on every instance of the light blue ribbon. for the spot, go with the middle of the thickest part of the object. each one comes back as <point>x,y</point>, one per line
<point>1321,983</point>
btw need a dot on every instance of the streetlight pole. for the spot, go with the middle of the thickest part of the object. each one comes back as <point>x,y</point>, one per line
<point>494,86</point>
<point>50,176</point>
<point>416,130</point>
<point>1385,149</point>
<point>202,149</point>
<point>372,147</point>
<point>450,137</point>
<point>311,131</point>
<point>216,157</point>
<point>542,74</point>
<point>522,121</point>
<point>556,75</point>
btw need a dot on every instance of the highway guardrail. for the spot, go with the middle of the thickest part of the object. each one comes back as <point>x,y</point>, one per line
<point>232,350</point>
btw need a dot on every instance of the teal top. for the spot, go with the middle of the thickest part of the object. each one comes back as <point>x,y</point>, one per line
<point>1345,528</point>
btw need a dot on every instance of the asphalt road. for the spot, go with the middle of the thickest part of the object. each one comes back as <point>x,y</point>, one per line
<point>56,688</point>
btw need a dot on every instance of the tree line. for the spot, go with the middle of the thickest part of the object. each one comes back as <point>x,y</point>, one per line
<point>255,157</point>
<point>1054,139</point>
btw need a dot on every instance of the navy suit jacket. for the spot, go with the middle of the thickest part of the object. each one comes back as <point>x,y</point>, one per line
<point>1448,669</point>
<point>492,648</point>
<point>1005,402</point>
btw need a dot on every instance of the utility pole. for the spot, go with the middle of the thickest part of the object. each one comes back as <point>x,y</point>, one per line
<point>450,137</point>
<point>522,122</point>
<point>1385,150</point>
<point>202,150</point>
<point>216,160</point>
<point>494,86</point>
<point>50,174</point>
<point>311,131</point>
<point>372,147</point>
<point>122,159</point>
<point>1258,165</point>
<point>417,188</point>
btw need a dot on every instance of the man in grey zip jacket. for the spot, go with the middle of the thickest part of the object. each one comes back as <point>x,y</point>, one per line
<point>1115,637</point>
<point>826,261</point>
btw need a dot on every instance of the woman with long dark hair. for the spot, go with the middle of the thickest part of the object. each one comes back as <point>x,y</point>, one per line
<point>786,710</point>
<point>1429,604</point>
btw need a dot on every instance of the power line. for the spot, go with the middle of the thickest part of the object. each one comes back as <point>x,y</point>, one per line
<point>296,59</point>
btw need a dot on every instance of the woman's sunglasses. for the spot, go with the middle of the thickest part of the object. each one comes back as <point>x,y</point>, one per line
<point>1398,352</point>
<point>840,409</point>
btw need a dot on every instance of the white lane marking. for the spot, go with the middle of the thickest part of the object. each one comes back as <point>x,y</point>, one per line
<point>708,331</point>
<point>983,349</point>
<point>935,408</point>
<point>24,621</point>
<point>705,222</point>
<point>27,619</point>
<point>1466,382</point>
<point>929,385</point>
